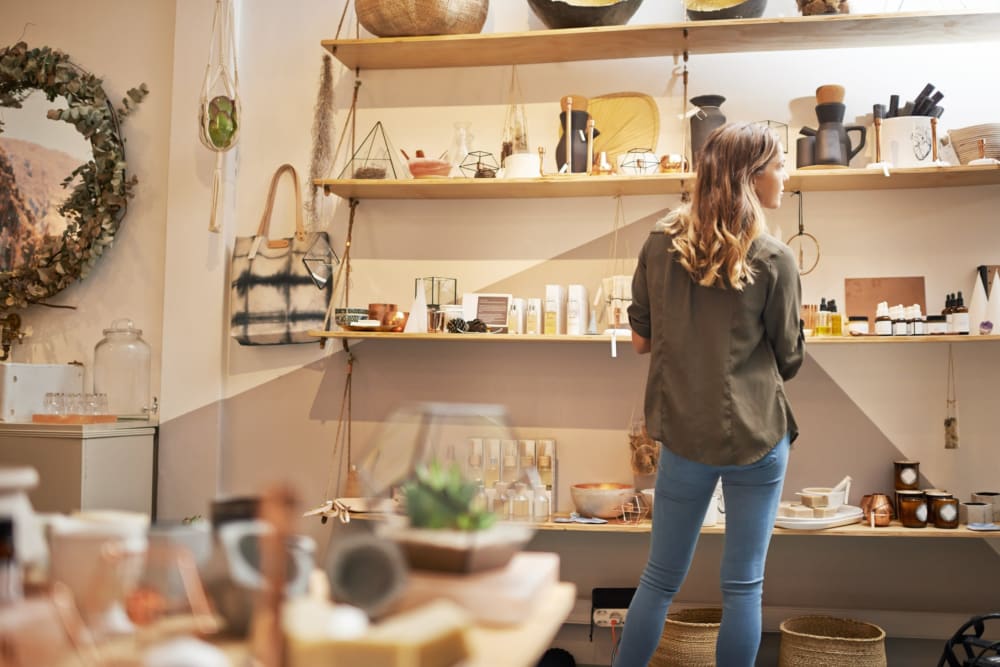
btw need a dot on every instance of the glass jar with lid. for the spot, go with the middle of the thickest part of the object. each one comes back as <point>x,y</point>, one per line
<point>121,370</point>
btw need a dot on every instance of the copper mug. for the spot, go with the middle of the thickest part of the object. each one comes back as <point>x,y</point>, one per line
<point>877,508</point>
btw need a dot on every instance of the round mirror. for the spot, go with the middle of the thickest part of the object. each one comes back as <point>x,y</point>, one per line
<point>63,182</point>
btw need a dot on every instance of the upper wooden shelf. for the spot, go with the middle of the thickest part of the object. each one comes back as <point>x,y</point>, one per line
<point>667,39</point>
<point>581,185</point>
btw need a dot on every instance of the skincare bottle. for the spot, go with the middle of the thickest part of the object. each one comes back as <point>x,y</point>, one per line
<point>823,319</point>
<point>508,464</point>
<point>919,323</point>
<point>480,501</point>
<point>836,320</point>
<point>542,509</point>
<point>898,316</point>
<point>883,323</point>
<point>960,316</point>
<point>949,312</point>
<point>520,503</point>
<point>533,323</point>
<point>546,458</point>
<point>526,457</point>
<point>501,500</point>
<point>491,470</point>
<point>474,462</point>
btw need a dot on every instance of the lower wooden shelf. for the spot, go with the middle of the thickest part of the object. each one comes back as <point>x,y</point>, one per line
<point>853,530</point>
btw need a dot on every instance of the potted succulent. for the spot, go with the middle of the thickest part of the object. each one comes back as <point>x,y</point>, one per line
<point>449,529</point>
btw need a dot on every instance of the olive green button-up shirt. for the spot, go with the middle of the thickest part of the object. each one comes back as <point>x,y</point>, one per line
<point>715,392</point>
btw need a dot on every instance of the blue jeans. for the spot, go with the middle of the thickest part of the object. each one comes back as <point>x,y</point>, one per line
<point>683,490</point>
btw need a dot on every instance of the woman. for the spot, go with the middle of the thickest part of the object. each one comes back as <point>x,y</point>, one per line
<point>715,299</point>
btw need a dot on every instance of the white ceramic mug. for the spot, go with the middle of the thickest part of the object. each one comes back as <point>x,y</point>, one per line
<point>522,165</point>
<point>907,141</point>
<point>991,498</point>
<point>975,512</point>
<point>100,560</point>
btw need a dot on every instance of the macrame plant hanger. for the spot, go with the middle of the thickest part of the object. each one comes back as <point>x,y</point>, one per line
<point>219,107</point>
<point>951,406</point>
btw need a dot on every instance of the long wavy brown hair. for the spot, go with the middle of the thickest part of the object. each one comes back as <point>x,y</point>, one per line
<point>712,234</point>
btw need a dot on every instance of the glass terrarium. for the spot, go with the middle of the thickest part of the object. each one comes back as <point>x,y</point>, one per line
<point>419,433</point>
<point>320,260</point>
<point>373,158</point>
<point>439,291</point>
<point>430,449</point>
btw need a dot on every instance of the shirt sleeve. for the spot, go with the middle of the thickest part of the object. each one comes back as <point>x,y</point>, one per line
<point>638,310</point>
<point>781,315</point>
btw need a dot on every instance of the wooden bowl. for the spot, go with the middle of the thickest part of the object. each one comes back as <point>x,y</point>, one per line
<point>556,14</point>
<point>711,10</point>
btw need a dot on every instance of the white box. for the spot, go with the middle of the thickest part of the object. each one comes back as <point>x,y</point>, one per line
<point>23,387</point>
<point>577,310</point>
<point>555,310</point>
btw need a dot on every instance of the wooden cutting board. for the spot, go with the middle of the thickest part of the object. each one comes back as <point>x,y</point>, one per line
<point>862,295</point>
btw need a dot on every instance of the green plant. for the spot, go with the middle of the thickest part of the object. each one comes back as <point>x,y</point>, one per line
<point>439,497</point>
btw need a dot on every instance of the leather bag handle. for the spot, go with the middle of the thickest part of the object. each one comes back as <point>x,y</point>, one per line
<point>265,221</point>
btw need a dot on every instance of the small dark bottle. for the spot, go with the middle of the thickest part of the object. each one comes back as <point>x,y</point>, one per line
<point>960,316</point>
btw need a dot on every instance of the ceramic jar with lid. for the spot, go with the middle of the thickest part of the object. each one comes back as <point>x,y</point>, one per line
<point>933,495</point>
<point>906,475</point>
<point>945,511</point>
<point>911,506</point>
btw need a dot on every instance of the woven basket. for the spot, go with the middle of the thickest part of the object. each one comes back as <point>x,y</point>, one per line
<point>688,639</point>
<point>410,18</point>
<point>825,641</point>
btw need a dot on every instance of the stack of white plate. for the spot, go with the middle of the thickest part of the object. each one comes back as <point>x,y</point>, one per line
<point>965,141</point>
<point>846,514</point>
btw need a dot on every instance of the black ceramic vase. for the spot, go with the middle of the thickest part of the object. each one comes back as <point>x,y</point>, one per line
<point>708,118</point>
<point>578,140</point>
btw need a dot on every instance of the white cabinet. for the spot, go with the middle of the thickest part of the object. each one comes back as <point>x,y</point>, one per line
<point>85,466</point>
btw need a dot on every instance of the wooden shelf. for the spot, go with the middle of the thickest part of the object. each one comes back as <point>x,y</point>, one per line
<point>898,340</point>
<point>853,530</point>
<point>818,180</point>
<point>605,339</point>
<point>669,39</point>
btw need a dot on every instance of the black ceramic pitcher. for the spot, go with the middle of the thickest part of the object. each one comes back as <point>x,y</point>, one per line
<point>578,140</point>
<point>833,143</point>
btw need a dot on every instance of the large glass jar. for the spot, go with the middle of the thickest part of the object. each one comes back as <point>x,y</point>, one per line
<point>121,370</point>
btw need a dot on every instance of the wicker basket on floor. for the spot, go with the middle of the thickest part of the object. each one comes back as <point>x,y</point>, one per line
<point>410,18</point>
<point>825,641</point>
<point>688,639</point>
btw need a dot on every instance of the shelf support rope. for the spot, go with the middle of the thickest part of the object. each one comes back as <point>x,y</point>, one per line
<point>685,121</point>
<point>342,279</point>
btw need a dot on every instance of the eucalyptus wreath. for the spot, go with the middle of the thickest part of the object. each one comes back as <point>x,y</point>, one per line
<point>100,187</point>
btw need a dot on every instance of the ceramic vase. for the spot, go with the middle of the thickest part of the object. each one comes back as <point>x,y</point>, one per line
<point>708,118</point>
<point>578,140</point>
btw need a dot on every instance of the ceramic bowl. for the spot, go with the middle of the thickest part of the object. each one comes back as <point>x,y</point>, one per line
<point>710,10</point>
<point>601,499</point>
<point>556,14</point>
<point>428,167</point>
<point>345,316</point>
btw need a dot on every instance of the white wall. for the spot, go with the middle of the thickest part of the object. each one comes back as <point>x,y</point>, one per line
<point>131,44</point>
<point>237,418</point>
